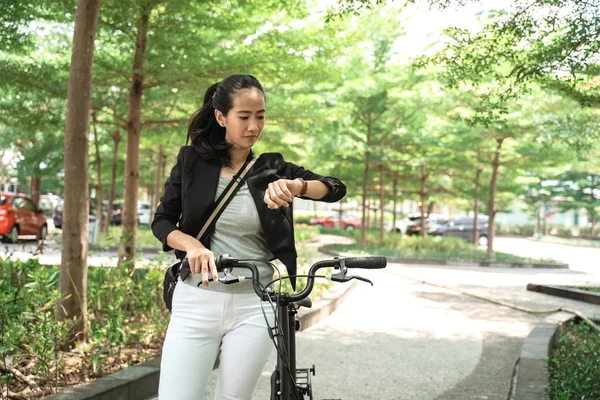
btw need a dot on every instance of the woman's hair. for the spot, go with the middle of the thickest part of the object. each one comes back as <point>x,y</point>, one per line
<point>204,132</point>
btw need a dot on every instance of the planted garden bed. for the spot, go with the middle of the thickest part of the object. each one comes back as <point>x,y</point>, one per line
<point>574,365</point>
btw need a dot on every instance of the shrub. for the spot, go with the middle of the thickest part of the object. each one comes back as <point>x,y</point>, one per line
<point>416,247</point>
<point>305,233</point>
<point>574,366</point>
<point>124,307</point>
<point>526,230</point>
<point>302,219</point>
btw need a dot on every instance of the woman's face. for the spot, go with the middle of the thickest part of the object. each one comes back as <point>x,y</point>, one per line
<point>246,119</point>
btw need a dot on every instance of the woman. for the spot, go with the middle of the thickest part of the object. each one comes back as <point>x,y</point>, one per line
<point>256,224</point>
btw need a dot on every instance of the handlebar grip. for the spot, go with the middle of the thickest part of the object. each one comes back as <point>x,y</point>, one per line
<point>366,262</point>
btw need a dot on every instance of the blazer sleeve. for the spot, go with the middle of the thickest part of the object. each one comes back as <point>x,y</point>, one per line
<point>337,190</point>
<point>168,211</point>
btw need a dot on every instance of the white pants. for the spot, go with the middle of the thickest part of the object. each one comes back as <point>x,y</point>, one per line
<point>201,322</point>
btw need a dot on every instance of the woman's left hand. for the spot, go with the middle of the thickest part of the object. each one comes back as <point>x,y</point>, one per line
<point>281,193</point>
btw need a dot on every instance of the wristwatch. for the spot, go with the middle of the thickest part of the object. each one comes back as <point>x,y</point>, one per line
<point>304,187</point>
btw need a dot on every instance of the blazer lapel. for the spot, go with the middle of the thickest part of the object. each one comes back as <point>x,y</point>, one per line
<point>200,189</point>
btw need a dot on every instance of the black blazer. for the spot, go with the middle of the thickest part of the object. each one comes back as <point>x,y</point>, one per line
<point>190,192</point>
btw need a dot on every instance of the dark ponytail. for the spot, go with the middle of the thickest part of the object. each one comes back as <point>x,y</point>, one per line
<point>204,132</point>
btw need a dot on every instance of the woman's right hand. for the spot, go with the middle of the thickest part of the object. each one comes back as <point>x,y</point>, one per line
<point>202,260</point>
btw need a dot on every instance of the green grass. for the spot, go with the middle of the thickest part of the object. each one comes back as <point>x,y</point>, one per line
<point>594,289</point>
<point>413,247</point>
<point>560,240</point>
<point>145,239</point>
<point>306,233</point>
<point>574,366</point>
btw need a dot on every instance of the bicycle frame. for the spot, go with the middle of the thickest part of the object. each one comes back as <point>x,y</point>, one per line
<point>281,386</point>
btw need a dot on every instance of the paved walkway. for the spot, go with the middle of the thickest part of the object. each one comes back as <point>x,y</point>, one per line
<point>403,339</point>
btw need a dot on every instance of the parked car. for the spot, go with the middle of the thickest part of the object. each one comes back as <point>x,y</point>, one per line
<point>143,211</point>
<point>349,222</point>
<point>57,216</point>
<point>47,203</point>
<point>117,211</point>
<point>19,216</point>
<point>401,226</point>
<point>432,224</point>
<point>463,227</point>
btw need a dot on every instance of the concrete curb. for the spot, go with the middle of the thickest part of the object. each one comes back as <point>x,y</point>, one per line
<point>470,263</point>
<point>134,383</point>
<point>569,293</point>
<point>530,376</point>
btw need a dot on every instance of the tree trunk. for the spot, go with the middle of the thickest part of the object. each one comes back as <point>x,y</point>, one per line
<point>537,220</point>
<point>157,184</point>
<point>134,126</point>
<point>430,208</point>
<point>99,195</point>
<point>340,224</point>
<point>73,268</point>
<point>476,202</point>
<point>395,189</point>
<point>36,184</point>
<point>368,214</point>
<point>116,137</point>
<point>152,196</point>
<point>545,219</point>
<point>422,196</point>
<point>364,222</point>
<point>375,210</point>
<point>381,202</point>
<point>592,209</point>
<point>492,202</point>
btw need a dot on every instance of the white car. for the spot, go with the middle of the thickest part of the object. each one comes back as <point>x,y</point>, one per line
<point>143,212</point>
<point>401,226</point>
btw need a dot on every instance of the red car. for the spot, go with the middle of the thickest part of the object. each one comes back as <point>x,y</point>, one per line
<point>348,222</point>
<point>19,216</point>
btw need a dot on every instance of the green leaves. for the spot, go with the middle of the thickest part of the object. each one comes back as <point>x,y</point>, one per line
<point>575,363</point>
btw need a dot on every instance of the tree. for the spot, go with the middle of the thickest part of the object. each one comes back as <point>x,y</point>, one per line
<point>73,269</point>
<point>578,189</point>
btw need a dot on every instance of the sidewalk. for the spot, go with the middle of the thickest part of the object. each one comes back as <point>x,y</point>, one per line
<point>51,254</point>
<point>406,340</point>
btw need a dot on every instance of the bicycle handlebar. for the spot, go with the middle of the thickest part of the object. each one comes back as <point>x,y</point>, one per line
<point>225,261</point>
<point>366,262</point>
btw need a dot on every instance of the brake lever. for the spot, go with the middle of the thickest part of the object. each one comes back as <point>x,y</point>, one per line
<point>229,279</point>
<point>343,278</point>
<point>360,278</point>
